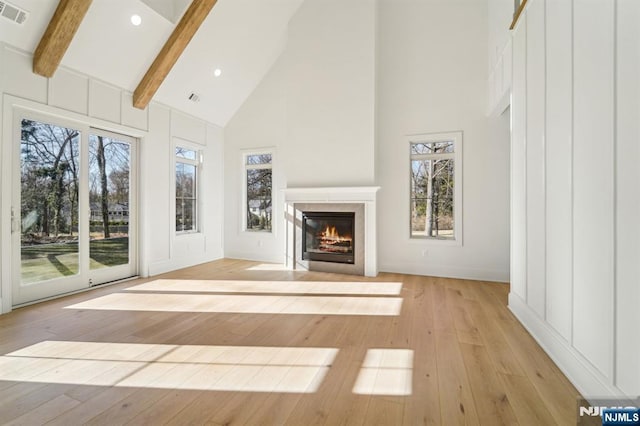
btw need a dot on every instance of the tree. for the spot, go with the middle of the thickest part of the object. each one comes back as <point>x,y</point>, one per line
<point>49,161</point>
<point>104,190</point>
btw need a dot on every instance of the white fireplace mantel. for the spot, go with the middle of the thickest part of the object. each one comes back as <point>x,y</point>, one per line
<point>365,195</point>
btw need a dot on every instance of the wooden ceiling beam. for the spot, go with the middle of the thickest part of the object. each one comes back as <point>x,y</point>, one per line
<point>56,39</point>
<point>171,51</point>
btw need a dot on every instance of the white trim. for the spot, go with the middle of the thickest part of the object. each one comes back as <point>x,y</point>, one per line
<point>198,163</point>
<point>244,153</point>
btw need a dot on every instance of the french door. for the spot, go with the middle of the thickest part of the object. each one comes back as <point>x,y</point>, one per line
<point>73,207</point>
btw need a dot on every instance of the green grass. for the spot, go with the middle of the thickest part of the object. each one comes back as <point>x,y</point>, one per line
<point>48,261</point>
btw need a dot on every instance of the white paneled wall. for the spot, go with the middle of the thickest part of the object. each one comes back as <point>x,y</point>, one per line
<point>593,110</point>
<point>627,208</point>
<point>535,156</point>
<point>558,165</point>
<point>575,199</point>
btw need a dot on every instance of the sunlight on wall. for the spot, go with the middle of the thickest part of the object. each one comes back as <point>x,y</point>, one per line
<point>256,304</point>
<point>195,367</point>
<point>291,287</point>
<point>385,372</point>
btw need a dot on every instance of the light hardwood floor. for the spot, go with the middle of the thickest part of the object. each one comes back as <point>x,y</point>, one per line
<point>237,342</point>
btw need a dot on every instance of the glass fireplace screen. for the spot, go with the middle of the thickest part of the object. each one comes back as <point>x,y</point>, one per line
<point>328,236</point>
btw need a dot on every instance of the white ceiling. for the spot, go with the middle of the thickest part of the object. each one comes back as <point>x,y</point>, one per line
<point>241,37</point>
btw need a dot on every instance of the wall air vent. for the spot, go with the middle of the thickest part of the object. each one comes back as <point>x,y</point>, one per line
<point>13,13</point>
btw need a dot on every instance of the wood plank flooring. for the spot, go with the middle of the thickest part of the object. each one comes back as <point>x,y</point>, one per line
<point>238,342</point>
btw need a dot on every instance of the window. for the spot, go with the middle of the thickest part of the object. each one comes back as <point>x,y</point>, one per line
<point>436,192</point>
<point>258,191</point>
<point>187,162</point>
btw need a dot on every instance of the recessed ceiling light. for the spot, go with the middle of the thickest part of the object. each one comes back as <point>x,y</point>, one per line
<point>136,20</point>
<point>217,72</point>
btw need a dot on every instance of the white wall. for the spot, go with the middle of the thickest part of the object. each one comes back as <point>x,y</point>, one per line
<point>431,77</point>
<point>315,108</point>
<point>576,126</point>
<point>79,97</point>
<point>500,16</point>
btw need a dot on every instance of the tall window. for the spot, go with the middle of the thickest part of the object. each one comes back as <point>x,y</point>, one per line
<point>258,188</point>
<point>436,192</point>
<point>187,162</point>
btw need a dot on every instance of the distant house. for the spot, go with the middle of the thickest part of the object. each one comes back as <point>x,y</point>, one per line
<point>118,212</point>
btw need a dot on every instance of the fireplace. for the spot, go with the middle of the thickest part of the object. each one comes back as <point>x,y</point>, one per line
<point>328,236</point>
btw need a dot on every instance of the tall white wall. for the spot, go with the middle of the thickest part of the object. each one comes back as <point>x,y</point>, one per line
<point>315,108</point>
<point>431,77</point>
<point>575,203</point>
<point>79,97</point>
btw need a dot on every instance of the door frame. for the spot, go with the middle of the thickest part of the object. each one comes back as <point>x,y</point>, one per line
<point>12,106</point>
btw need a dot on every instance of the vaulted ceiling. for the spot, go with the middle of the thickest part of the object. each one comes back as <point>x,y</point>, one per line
<point>240,37</point>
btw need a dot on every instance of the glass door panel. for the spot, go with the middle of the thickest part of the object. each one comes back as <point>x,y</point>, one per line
<point>49,202</point>
<point>109,201</point>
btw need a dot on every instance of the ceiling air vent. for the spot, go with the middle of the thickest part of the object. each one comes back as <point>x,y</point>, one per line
<point>15,14</point>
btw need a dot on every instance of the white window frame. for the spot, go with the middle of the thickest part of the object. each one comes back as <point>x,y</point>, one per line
<point>244,154</point>
<point>457,138</point>
<point>198,163</point>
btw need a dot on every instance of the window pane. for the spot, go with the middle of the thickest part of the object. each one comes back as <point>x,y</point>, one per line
<point>259,159</point>
<point>185,180</point>
<point>49,210</point>
<point>432,194</point>
<point>432,147</point>
<point>259,200</point>
<point>185,214</point>
<point>189,154</point>
<point>109,164</point>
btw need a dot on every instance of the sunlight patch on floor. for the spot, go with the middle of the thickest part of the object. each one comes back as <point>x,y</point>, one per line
<point>194,367</point>
<point>291,287</point>
<point>386,372</point>
<point>255,304</point>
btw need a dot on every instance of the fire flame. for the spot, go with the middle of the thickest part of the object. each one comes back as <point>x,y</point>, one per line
<point>330,233</point>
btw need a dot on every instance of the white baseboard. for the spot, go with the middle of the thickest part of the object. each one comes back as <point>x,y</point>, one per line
<point>445,272</point>
<point>161,267</point>
<point>584,376</point>
<point>255,256</point>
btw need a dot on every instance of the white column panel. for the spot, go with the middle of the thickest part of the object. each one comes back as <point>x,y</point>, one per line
<point>559,166</point>
<point>132,116</point>
<point>19,80</point>
<point>187,127</point>
<point>156,162</point>
<point>69,90</point>
<point>628,197</point>
<point>518,161</point>
<point>536,285</point>
<point>104,101</point>
<point>593,181</point>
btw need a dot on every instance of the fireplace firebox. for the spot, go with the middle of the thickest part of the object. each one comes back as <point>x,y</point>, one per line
<point>328,236</point>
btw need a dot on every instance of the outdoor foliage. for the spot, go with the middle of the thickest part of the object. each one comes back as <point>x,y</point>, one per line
<point>50,171</point>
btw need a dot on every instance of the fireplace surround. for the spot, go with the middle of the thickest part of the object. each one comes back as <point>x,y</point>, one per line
<point>359,201</point>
